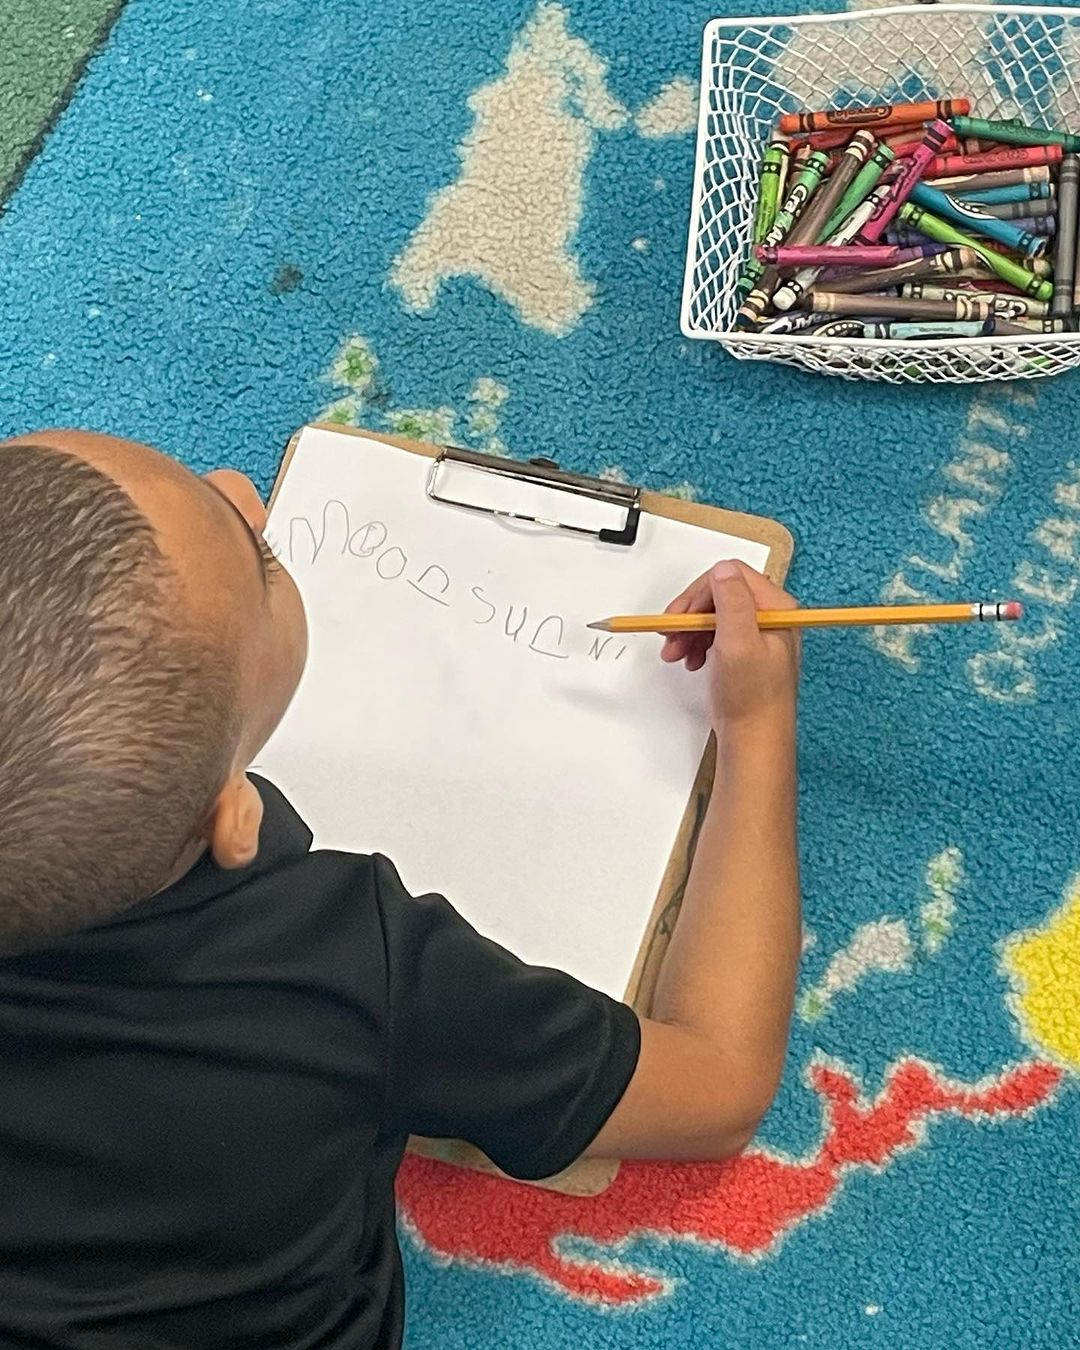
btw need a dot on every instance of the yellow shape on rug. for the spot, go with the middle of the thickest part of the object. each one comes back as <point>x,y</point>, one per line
<point>1043,965</point>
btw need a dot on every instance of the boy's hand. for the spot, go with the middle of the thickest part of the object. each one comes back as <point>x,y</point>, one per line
<point>754,676</point>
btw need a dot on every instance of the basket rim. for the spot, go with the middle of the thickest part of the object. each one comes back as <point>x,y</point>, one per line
<point>735,337</point>
<point>887,11</point>
<point>796,341</point>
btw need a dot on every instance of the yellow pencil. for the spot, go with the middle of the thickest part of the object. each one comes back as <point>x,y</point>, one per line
<point>991,611</point>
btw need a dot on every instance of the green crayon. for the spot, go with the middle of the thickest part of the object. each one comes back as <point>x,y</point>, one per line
<point>864,183</point>
<point>1014,133</point>
<point>769,188</point>
<point>945,233</point>
<point>756,279</point>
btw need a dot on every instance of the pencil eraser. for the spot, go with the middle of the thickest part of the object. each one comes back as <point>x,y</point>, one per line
<point>1014,610</point>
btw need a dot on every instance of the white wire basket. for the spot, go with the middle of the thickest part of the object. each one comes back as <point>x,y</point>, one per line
<point>1011,61</point>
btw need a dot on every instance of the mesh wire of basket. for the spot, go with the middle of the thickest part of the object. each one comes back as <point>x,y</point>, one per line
<point>1011,61</point>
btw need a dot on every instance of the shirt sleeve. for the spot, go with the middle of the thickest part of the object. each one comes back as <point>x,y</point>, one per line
<point>524,1062</point>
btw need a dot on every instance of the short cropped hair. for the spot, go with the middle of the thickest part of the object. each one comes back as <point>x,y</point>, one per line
<point>116,722</point>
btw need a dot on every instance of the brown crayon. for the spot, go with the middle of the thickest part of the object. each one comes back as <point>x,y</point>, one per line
<point>807,229</point>
<point>1004,306</point>
<point>1040,173</point>
<point>951,264</point>
<point>882,113</point>
<point>1018,327</point>
<point>895,307</point>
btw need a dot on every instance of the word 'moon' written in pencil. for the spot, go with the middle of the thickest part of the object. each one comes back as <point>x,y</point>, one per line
<point>533,630</point>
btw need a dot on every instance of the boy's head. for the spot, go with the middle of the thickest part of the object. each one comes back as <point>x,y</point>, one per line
<point>150,646</point>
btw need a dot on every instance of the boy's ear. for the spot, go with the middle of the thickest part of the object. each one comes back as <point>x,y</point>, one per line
<point>232,828</point>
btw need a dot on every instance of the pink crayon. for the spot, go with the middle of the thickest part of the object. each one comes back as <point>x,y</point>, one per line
<point>840,255</point>
<point>909,174</point>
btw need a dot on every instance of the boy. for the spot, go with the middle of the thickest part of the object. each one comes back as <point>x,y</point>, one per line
<point>213,1042</point>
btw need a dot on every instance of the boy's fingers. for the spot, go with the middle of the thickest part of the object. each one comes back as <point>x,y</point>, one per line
<point>767,595</point>
<point>736,588</point>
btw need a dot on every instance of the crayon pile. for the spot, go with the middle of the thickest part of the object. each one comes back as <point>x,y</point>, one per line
<point>913,221</point>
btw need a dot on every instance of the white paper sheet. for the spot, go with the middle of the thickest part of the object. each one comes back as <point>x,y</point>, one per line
<point>457,715</point>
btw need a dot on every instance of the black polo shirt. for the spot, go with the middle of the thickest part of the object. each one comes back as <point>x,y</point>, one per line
<point>203,1102</point>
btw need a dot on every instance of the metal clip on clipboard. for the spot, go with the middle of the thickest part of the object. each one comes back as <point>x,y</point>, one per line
<point>543,473</point>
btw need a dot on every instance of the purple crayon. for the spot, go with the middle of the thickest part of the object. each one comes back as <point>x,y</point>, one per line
<point>841,255</point>
<point>912,169</point>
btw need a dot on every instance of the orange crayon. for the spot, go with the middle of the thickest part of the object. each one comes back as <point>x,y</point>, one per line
<point>794,124</point>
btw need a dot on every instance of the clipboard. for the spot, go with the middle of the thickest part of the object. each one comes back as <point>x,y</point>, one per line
<point>624,505</point>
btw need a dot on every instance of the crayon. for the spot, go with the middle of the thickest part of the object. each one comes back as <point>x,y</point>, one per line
<point>1017,192</point>
<point>795,287</point>
<point>802,190</point>
<point>944,264</point>
<point>1003,306</point>
<point>1038,225</point>
<point>769,189</point>
<point>1039,267</point>
<point>900,189</point>
<point>1025,210</point>
<point>793,322</point>
<point>959,183</point>
<point>947,233</point>
<point>900,330</point>
<point>794,123</point>
<point>957,328</point>
<point>983,281</point>
<point>976,220</point>
<point>808,228</point>
<point>904,146</point>
<point>782,176</point>
<point>1015,133</point>
<point>909,252</point>
<point>850,328</point>
<point>1076,277</point>
<point>1008,157</point>
<point>827,255</point>
<point>828,140</point>
<point>1016,327</point>
<point>894,306</point>
<point>1065,245</point>
<point>862,185</point>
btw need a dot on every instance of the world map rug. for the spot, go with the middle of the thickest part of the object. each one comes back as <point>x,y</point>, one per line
<point>467,223</point>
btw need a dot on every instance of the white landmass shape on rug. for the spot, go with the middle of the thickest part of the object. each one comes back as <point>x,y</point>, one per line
<point>884,946</point>
<point>512,214</point>
<point>671,112</point>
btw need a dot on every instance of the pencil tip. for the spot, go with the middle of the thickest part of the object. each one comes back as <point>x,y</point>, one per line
<point>602,624</point>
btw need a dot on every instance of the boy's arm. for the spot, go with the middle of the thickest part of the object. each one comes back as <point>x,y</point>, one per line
<point>713,1051</point>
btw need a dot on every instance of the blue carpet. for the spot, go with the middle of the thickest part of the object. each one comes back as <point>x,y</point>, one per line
<point>235,228</point>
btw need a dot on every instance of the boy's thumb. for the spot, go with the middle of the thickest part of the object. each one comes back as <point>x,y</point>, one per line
<point>736,612</point>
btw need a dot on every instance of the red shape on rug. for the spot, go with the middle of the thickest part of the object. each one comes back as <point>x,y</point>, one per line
<point>746,1204</point>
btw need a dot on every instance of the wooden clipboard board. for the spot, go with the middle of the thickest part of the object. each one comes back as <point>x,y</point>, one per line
<point>593,1175</point>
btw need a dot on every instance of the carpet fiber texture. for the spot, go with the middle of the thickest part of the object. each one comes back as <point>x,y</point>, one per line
<point>468,223</point>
